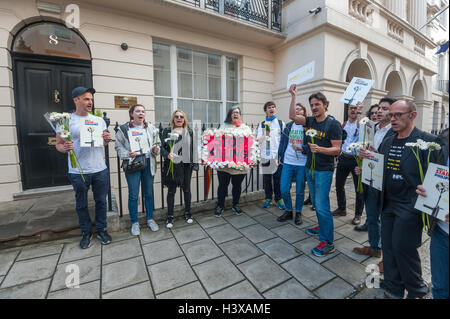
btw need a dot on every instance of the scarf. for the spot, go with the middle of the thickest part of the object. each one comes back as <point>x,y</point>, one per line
<point>237,124</point>
<point>271,118</point>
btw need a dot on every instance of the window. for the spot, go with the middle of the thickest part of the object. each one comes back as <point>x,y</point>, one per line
<point>192,81</point>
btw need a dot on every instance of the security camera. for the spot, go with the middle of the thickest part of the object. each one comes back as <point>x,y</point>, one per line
<point>315,10</point>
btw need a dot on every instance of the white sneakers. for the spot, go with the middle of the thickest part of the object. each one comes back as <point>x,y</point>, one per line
<point>152,225</point>
<point>135,231</point>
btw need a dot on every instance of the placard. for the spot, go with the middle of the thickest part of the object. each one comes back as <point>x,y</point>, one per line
<point>436,187</point>
<point>372,170</point>
<point>369,131</point>
<point>91,131</point>
<point>357,91</point>
<point>138,141</point>
<point>301,75</point>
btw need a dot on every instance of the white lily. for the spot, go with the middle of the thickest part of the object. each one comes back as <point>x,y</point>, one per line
<point>364,121</point>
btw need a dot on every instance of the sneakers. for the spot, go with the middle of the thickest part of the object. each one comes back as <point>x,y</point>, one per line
<point>188,217</point>
<point>361,228</point>
<point>356,220</point>
<point>280,204</point>
<point>219,211</point>
<point>104,237</point>
<point>388,292</point>
<point>287,215</point>
<point>312,231</point>
<point>313,208</point>
<point>324,248</point>
<point>152,225</point>
<point>307,201</point>
<point>339,212</point>
<point>237,210</point>
<point>85,241</point>
<point>169,222</point>
<point>298,219</point>
<point>267,203</point>
<point>135,231</point>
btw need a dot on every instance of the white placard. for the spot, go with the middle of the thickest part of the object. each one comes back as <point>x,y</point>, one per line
<point>301,75</point>
<point>369,136</point>
<point>436,187</point>
<point>357,91</point>
<point>91,131</point>
<point>372,170</point>
<point>138,141</point>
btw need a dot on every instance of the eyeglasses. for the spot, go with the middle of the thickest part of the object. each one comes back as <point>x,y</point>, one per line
<point>178,116</point>
<point>372,113</point>
<point>397,115</point>
<point>235,112</point>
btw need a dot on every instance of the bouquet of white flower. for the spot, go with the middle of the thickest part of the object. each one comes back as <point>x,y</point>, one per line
<point>171,140</point>
<point>311,133</point>
<point>60,124</point>
<point>353,148</point>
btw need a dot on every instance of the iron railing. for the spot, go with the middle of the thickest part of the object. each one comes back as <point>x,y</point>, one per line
<point>252,180</point>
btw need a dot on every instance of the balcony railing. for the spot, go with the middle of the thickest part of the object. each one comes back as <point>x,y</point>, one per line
<point>264,13</point>
<point>442,85</point>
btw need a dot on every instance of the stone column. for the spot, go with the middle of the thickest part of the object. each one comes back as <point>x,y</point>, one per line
<point>397,7</point>
<point>417,14</point>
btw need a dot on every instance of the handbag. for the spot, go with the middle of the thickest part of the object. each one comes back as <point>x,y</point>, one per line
<point>138,164</point>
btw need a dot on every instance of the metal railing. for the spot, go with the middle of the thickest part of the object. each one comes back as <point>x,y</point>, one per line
<point>442,85</point>
<point>265,13</point>
<point>252,180</point>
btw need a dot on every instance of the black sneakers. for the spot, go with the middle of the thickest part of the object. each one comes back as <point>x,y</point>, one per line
<point>298,219</point>
<point>339,212</point>
<point>285,217</point>
<point>104,237</point>
<point>219,211</point>
<point>237,210</point>
<point>85,241</point>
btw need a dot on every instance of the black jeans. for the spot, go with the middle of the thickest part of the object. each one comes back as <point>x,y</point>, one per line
<point>346,165</point>
<point>186,189</point>
<point>401,235</point>
<point>224,181</point>
<point>267,184</point>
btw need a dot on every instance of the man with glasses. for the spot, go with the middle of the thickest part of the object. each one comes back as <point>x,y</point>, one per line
<point>401,224</point>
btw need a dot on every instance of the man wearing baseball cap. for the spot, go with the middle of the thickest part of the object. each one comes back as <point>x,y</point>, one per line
<point>92,162</point>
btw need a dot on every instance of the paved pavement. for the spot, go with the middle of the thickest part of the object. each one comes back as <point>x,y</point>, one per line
<point>248,256</point>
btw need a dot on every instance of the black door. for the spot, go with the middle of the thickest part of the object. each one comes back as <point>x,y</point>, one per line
<point>44,85</point>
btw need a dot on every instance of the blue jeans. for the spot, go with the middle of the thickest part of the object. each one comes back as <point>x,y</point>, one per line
<point>439,263</point>
<point>373,217</point>
<point>100,184</point>
<point>319,188</point>
<point>287,173</point>
<point>133,180</point>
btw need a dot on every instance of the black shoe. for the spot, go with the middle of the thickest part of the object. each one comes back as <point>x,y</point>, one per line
<point>85,241</point>
<point>219,211</point>
<point>308,201</point>
<point>313,208</point>
<point>361,228</point>
<point>285,217</point>
<point>237,210</point>
<point>104,237</point>
<point>339,212</point>
<point>188,217</point>
<point>298,219</point>
<point>388,293</point>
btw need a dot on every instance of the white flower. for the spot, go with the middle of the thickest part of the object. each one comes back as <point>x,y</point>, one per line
<point>173,136</point>
<point>411,144</point>
<point>433,146</point>
<point>349,149</point>
<point>364,121</point>
<point>422,144</point>
<point>311,132</point>
<point>267,138</point>
<point>64,134</point>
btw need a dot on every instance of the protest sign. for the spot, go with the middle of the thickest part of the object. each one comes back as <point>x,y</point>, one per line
<point>357,91</point>
<point>138,141</point>
<point>91,131</point>
<point>301,75</point>
<point>372,170</point>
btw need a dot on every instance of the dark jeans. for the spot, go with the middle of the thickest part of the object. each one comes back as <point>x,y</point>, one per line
<point>267,184</point>
<point>224,181</point>
<point>346,165</point>
<point>401,235</point>
<point>133,180</point>
<point>373,217</point>
<point>186,190</point>
<point>439,263</point>
<point>100,183</point>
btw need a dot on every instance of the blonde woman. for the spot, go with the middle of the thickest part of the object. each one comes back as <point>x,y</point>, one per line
<point>123,148</point>
<point>178,136</point>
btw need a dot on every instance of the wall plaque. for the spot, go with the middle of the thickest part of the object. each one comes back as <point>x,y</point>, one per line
<point>124,102</point>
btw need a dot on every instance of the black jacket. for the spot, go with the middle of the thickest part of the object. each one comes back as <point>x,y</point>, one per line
<point>409,167</point>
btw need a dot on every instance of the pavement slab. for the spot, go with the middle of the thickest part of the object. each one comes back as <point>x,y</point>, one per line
<point>242,290</point>
<point>223,233</point>
<point>240,250</point>
<point>346,245</point>
<point>279,250</point>
<point>349,232</point>
<point>139,291</point>
<point>308,272</point>
<point>268,220</point>
<point>257,233</point>
<point>290,289</point>
<point>263,273</point>
<point>89,270</point>
<point>240,221</point>
<point>171,274</point>
<point>190,233</point>
<point>200,251</point>
<point>335,289</point>
<point>348,269</point>
<point>87,291</point>
<point>123,273</point>
<point>210,221</point>
<point>290,233</point>
<point>217,274</point>
<point>36,251</point>
<point>148,236</point>
<point>72,251</point>
<point>6,260</point>
<point>193,290</point>
<point>34,290</point>
<point>161,251</point>
<point>121,250</point>
<point>254,210</point>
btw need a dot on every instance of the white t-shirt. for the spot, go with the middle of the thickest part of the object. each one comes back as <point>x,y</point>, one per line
<point>275,136</point>
<point>291,156</point>
<point>380,134</point>
<point>352,137</point>
<point>90,158</point>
